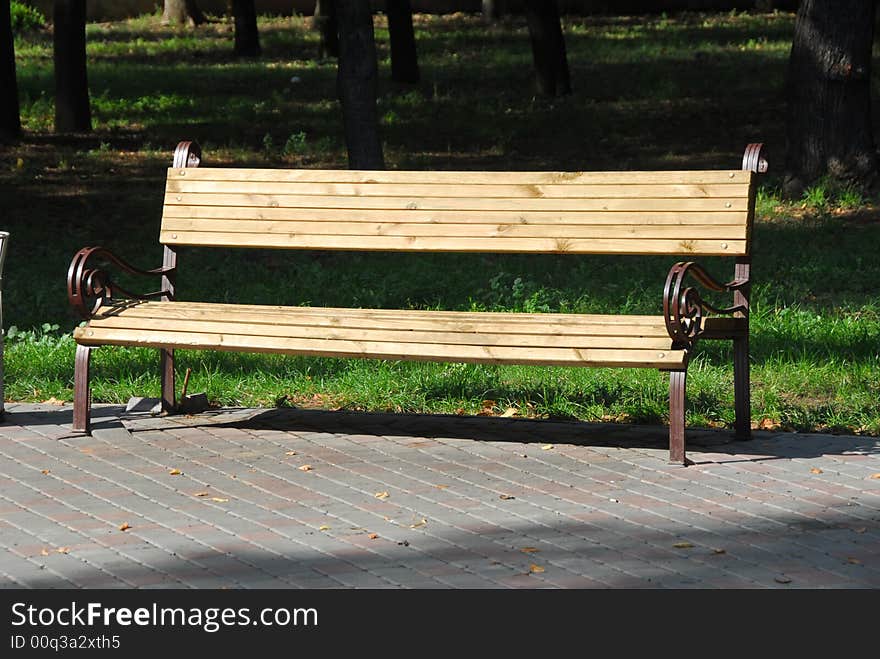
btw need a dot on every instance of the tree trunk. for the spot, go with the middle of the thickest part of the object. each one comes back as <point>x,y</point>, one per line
<point>10,122</point>
<point>356,82</point>
<point>491,11</point>
<point>325,20</point>
<point>829,94</point>
<point>548,47</point>
<point>72,112</point>
<point>247,37</point>
<point>404,61</point>
<point>182,12</point>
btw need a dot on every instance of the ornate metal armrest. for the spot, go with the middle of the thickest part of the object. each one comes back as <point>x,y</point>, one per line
<point>89,287</point>
<point>684,307</point>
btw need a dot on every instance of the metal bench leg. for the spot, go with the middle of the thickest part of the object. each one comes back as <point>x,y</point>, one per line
<point>82,394</point>
<point>741,390</point>
<point>677,381</point>
<point>167,365</point>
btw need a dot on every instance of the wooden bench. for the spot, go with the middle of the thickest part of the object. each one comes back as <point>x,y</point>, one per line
<point>677,213</point>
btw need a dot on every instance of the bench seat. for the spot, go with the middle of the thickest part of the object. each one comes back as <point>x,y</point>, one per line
<point>475,337</point>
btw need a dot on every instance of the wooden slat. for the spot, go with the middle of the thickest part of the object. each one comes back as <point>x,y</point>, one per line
<point>695,177</point>
<point>384,350</point>
<point>455,244</point>
<point>463,203</point>
<point>451,321</point>
<point>462,190</point>
<point>257,200</point>
<point>412,216</point>
<point>434,321</point>
<point>559,231</point>
<point>382,334</point>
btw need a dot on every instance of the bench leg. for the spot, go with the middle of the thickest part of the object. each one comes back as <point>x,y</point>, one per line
<point>677,381</point>
<point>82,395</point>
<point>167,366</point>
<point>741,389</point>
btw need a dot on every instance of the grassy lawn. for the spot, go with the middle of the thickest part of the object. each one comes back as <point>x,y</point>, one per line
<point>650,93</point>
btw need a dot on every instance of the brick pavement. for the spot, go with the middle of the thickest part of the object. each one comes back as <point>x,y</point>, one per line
<point>415,501</point>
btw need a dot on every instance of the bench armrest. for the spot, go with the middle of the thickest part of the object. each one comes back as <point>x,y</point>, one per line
<point>89,287</point>
<point>684,306</point>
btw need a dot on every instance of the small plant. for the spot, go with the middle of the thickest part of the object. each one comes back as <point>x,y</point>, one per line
<point>850,197</point>
<point>816,197</point>
<point>296,143</point>
<point>25,18</point>
<point>267,143</point>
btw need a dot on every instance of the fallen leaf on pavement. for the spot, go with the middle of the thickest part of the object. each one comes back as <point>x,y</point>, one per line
<point>530,550</point>
<point>815,470</point>
<point>683,545</point>
<point>219,499</point>
<point>381,495</point>
<point>174,472</point>
<point>861,529</point>
<point>305,468</point>
<point>418,524</point>
<point>200,494</point>
<point>547,447</point>
<point>510,411</point>
<point>875,475</point>
<point>506,497</point>
<point>719,551</point>
<point>63,550</point>
<point>782,579</point>
<point>324,528</point>
<point>44,471</point>
<point>53,401</point>
<point>124,526</point>
<point>854,561</point>
<point>535,569</point>
<point>43,552</point>
<point>373,536</point>
<point>441,487</point>
<point>290,453</point>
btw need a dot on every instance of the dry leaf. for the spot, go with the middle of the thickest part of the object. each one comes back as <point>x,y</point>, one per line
<point>683,545</point>
<point>861,529</point>
<point>200,494</point>
<point>875,475</point>
<point>324,528</point>
<point>719,551</point>
<point>219,499</point>
<point>782,579</point>
<point>305,468</point>
<point>418,524</point>
<point>441,487</point>
<point>43,552</point>
<point>506,497</point>
<point>530,550</point>
<point>174,472</point>
<point>535,569</point>
<point>373,536</point>
<point>768,424</point>
<point>290,453</point>
<point>63,550</point>
<point>854,561</point>
<point>124,526</point>
<point>53,401</point>
<point>523,455</point>
<point>44,471</point>
<point>510,411</point>
<point>815,470</point>
<point>381,495</point>
<point>547,447</point>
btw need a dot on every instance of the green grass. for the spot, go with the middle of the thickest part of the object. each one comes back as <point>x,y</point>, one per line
<point>684,91</point>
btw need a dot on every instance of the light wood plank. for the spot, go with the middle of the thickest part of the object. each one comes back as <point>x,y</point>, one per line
<point>412,216</point>
<point>384,350</point>
<point>461,190</point>
<point>688,177</point>
<point>382,334</point>
<point>455,244</point>
<point>257,200</point>
<point>562,231</point>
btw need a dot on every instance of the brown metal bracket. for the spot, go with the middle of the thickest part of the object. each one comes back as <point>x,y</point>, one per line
<point>684,306</point>
<point>90,287</point>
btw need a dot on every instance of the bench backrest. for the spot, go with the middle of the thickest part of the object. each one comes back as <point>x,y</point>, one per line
<point>661,212</point>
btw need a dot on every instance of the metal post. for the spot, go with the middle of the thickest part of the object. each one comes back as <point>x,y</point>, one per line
<point>4,243</point>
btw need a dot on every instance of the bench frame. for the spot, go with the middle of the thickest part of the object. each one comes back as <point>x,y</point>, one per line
<point>684,310</point>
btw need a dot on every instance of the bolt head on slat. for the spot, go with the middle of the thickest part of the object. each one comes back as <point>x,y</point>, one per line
<point>728,205</point>
<point>723,245</point>
<point>183,172</point>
